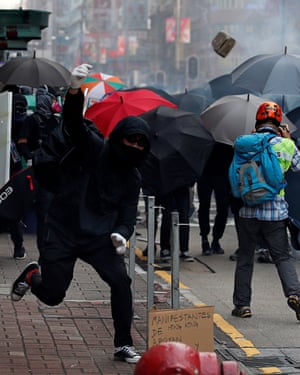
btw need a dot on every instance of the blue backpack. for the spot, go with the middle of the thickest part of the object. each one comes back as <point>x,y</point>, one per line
<point>255,174</point>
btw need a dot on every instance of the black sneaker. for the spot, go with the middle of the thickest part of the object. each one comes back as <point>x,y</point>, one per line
<point>263,256</point>
<point>216,248</point>
<point>165,254</point>
<point>186,257</point>
<point>294,303</point>
<point>19,253</point>
<point>23,282</point>
<point>206,249</point>
<point>234,256</point>
<point>127,353</point>
<point>242,312</point>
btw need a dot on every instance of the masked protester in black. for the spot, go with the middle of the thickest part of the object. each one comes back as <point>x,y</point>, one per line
<point>92,215</point>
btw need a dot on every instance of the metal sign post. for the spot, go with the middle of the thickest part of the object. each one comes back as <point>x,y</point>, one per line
<point>150,255</point>
<point>175,259</point>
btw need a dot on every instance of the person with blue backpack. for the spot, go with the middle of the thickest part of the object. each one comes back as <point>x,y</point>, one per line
<point>256,176</point>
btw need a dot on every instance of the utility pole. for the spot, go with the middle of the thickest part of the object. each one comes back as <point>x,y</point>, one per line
<point>283,21</point>
<point>178,41</point>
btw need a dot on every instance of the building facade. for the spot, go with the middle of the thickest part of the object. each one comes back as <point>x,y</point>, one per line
<point>166,43</point>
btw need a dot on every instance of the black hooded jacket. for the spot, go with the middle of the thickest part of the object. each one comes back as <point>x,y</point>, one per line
<point>99,192</point>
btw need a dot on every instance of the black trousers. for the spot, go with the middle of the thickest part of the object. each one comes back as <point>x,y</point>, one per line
<point>57,260</point>
<point>15,229</point>
<point>16,233</point>
<point>179,200</point>
<point>206,185</point>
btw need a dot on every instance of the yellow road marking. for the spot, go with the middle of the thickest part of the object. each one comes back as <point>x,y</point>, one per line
<point>270,370</point>
<point>236,336</point>
<point>166,276</point>
<point>245,345</point>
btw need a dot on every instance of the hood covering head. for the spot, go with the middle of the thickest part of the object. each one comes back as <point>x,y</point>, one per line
<point>126,155</point>
<point>19,113</point>
<point>44,98</point>
<point>19,103</point>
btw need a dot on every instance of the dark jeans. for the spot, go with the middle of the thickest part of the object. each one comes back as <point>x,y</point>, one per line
<point>275,236</point>
<point>15,229</point>
<point>57,261</point>
<point>16,233</point>
<point>206,185</point>
<point>178,200</point>
<point>235,206</point>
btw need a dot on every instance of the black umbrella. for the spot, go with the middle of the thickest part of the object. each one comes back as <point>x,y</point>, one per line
<point>294,116</point>
<point>191,102</point>
<point>34,72</point>
<point>286,102</point>
<point>219,87</point>
<point>16,196</point>
<point>269,73</point>
<point>180,147</point>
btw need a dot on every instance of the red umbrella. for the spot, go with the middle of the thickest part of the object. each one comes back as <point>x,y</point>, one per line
<point>120,104</point>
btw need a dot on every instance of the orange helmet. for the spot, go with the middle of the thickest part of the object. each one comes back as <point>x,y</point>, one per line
<point>269,111</point>
<point>169,358</point>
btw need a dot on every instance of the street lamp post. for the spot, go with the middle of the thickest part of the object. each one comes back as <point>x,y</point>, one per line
<point>178,41</point>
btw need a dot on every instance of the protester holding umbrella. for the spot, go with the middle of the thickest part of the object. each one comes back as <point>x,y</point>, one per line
<point>92,214</point>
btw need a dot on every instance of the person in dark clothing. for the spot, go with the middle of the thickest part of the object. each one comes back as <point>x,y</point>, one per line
<point>16,227</point>
<point>39,124</point>
<point>214,179</point>
<point>35,131</point>
<point>92,214</point>
<point>177,200</point>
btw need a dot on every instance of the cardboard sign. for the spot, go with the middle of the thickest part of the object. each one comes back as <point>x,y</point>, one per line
<point>190,326</point>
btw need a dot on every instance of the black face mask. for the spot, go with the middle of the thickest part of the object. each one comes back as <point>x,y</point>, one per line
<point>127,156</point>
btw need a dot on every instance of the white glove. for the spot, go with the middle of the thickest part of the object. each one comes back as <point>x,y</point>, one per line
<point>79,74</point>
<point>119,242</point>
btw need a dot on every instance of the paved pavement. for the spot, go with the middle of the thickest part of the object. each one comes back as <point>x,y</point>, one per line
<point>76,336</point>
<point>72,338</point>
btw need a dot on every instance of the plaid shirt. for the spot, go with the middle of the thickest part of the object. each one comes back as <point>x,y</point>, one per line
<point>277,209</point>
